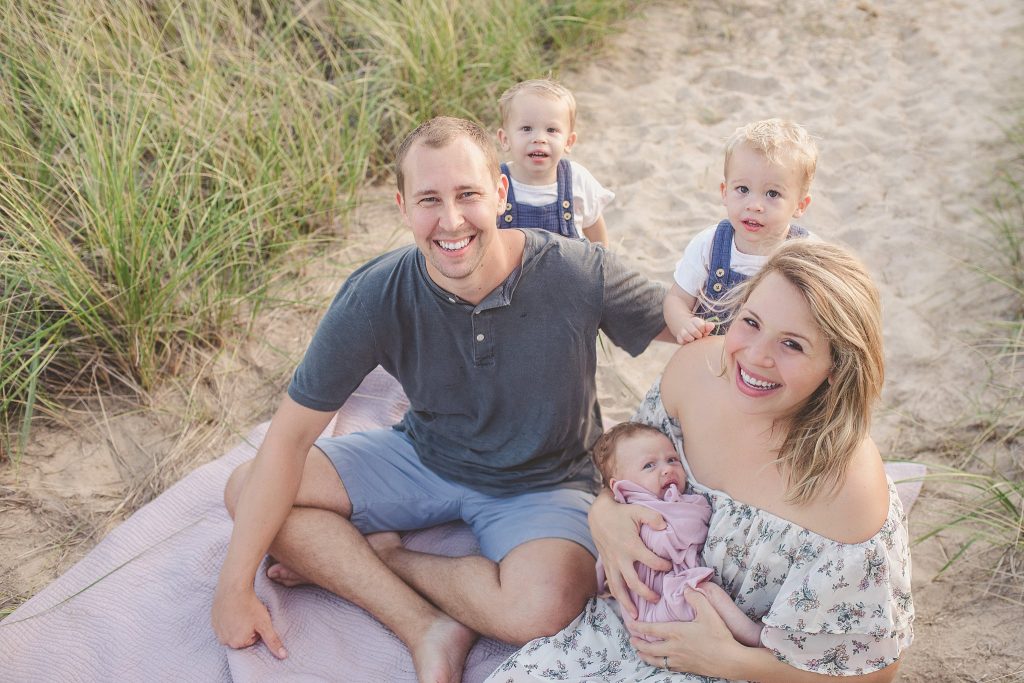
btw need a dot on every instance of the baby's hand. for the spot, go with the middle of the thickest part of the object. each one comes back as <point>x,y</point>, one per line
<point>693,329</point>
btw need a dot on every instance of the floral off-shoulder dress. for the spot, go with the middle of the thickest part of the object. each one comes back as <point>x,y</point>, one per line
<point>833,608</point>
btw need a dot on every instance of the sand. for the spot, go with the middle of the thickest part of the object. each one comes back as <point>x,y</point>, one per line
<point>908,102</point>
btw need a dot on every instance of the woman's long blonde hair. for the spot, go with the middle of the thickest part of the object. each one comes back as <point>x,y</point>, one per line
<point>826,430</point>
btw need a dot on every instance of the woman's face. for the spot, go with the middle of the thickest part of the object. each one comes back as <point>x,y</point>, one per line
<point>775,353</point>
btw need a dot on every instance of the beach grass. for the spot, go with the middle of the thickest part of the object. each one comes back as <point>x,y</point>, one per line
<point>160,158</point>
<point>984,488</point>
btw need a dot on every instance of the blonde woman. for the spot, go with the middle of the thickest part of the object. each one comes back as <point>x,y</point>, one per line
<point>807,534</point>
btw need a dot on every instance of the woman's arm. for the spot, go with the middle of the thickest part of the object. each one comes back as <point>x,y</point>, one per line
<point>616,532</point>
<point>705,646</point>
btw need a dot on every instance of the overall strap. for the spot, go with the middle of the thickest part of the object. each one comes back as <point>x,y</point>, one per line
<point>720,275</point>
<point>566,224</point>
<point>796,231</point>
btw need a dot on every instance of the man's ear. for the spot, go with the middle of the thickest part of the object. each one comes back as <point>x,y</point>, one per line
<point>802,206</point>
<point>400,200</point>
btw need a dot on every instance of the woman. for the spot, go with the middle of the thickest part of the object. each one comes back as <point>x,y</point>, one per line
<point>807,533</point>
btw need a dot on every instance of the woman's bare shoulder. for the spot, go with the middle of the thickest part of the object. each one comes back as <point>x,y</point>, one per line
<point>689,368</point>
<point>856,511</point>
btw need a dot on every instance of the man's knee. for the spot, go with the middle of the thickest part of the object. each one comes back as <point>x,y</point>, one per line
<point>236,482</point>
<point>544,612</point>
<point>550,588</point>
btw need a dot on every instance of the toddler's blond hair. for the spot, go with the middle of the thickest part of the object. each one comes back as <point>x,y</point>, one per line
<point>539,86</point>
<point>781,142</point>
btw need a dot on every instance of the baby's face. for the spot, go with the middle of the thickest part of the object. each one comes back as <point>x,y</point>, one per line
<point>760,199</point>
<point>649,460</point>
<point>537,133</point>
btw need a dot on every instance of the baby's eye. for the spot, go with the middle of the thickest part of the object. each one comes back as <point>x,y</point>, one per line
<point>647,466</point>
<point>673,461</point>
<point>773,194</point>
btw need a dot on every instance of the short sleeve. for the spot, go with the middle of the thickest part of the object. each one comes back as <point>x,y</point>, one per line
<point>589,197</point>
<point>631,314</point>
<point>692,269</point>
<point>341,353</point>
<point>846,610</point>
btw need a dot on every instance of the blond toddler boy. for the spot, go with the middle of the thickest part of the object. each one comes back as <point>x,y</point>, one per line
<point>547,191</point>
<point>769,166</point>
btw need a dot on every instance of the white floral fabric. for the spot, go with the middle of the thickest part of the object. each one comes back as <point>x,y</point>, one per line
<point>833,608</point>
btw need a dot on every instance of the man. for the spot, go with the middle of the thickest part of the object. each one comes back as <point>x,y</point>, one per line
<point>492,335</point>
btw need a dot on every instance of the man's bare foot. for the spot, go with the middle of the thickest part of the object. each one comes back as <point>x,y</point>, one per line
<point>383,543</point>
<point>286,576</point>
<point>440,654</point>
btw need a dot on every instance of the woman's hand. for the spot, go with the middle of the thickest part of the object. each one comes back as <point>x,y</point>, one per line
<point>701,646</point>
<point>616,532</point>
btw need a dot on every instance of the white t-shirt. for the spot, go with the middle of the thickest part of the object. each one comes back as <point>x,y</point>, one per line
<point>693,269</point>
<point>588,196</point>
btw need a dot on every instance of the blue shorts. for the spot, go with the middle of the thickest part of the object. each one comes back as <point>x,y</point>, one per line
<point>391,490</point>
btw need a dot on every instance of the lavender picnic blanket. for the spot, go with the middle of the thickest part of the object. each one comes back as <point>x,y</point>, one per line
<point>137,606</point>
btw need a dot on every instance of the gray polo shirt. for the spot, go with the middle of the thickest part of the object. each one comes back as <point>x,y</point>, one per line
<point>503,394</point>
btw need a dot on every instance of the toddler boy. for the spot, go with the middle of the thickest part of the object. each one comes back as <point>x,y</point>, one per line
<point>547,191</point>
<point>769,166</point>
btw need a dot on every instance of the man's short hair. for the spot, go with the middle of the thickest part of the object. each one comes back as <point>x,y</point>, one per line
<point>438,132</point>
<point>604,448</point>
<point>781,142</point>
<point>538,86</point>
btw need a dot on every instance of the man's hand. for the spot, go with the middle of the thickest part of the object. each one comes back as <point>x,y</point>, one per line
<point>240,620</point>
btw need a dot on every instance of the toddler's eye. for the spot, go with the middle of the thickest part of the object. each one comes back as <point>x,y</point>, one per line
<point>526,129</point>
<point>742,189</point>
<point>773,194</point>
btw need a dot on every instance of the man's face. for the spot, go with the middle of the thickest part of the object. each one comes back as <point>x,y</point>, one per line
<point>451,201</point>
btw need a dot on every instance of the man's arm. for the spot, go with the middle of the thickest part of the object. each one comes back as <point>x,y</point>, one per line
<point>239,618</point>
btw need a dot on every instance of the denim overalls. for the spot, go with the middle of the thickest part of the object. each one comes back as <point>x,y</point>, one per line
<point>555,217</point>
<point>721,276</point>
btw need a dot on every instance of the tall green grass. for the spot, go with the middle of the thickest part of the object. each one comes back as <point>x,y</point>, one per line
<point>157,158</point>
<point>986,484</point>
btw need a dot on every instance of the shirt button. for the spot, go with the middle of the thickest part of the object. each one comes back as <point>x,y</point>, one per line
<point>479,337</point>
<point>451,299</point>
<point>720,272</point>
